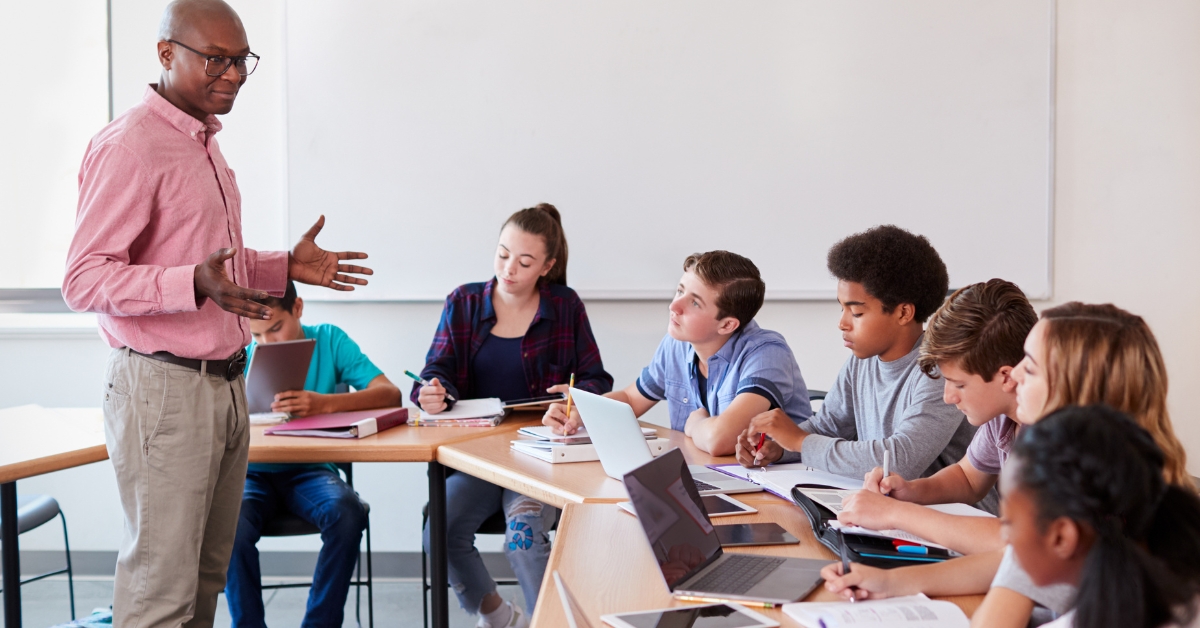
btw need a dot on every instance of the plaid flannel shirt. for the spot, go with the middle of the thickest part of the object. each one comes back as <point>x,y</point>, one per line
<point>559,342</point>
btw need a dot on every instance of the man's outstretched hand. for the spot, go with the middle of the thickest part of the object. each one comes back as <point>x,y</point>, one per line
<point>211,281</point>
<point>310,264</point>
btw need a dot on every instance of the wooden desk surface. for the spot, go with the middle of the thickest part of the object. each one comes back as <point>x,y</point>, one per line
<point>602,555</point>
<point>491,458</point>
<point>399,444</point>
<point>38,440</point>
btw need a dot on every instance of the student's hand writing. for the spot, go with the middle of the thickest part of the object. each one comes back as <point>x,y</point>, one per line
<point>770,452</point>
<point>697,415</point>
<point>556,418</point>
<point>872,583</point>
<point>869,510</point>
<point>299,403</point>
<point>893,486</point>
<point>432,398</point>
<point>780,427</point>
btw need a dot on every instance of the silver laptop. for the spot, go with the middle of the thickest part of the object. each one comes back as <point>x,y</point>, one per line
<point>276,367</point>
<point>576,618</point>
<point>618,438</point>
<point>687,548</point>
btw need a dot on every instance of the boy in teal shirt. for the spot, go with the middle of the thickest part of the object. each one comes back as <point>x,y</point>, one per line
<point>314,492</point>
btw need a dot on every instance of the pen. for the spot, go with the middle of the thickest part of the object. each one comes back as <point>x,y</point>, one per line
<point>887,464</point>
<point>425,382</point>
<point>846,562</point>
<point>715,600</point>
<point>762,438</point>
<point>569,387</point>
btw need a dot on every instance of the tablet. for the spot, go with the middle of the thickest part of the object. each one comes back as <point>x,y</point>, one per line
<point>724,505</point>
<point>728,615</point>
<point>276,367</point>
<point>716,505</point>
<point>534,403</point>
<point>739,534</point>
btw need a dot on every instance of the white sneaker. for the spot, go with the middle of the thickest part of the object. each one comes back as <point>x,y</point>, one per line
<point>516,619</point>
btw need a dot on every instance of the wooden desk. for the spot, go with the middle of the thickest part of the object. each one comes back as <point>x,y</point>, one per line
<point>602,555</point>
<point>491,458</point>
<point>35,441</point>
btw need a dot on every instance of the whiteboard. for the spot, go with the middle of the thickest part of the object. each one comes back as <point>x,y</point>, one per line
<point>770,128</point>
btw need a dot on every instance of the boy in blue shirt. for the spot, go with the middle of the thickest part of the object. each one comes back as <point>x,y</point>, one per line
<point>716,368</point>
<point>314,492</point>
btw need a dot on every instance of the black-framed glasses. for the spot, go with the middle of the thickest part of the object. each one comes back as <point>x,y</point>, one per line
<point>216,65</point>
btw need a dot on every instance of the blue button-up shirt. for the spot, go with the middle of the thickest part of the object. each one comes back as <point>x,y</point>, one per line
<point>754,360</point>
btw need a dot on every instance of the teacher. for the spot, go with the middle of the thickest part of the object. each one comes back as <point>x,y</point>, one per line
<point>158,255</point>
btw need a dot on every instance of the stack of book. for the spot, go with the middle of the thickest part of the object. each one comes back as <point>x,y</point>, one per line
<point>465,413</point>
<point>542,443</point>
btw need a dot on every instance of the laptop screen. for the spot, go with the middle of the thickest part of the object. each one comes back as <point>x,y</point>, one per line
<point>671,513</point>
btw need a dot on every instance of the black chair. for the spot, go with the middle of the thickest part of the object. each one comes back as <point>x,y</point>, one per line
<point>32,512</point>
<point>287,524</point>
<point>816,395</point>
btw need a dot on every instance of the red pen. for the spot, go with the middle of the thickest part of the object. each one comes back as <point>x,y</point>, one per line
<point>762,438</point>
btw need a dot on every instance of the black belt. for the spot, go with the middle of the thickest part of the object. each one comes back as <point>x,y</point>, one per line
<point>229,369</point>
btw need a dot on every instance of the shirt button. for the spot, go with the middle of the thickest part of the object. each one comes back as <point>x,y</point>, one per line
<point>685,399</point>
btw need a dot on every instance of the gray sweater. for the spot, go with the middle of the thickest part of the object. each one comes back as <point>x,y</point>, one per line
<point>875,405</point>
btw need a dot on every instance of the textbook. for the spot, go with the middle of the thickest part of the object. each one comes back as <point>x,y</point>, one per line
<point>556,453</point>
<point>832,499</point>
<point>780,478</point>
<point>911,611</point>
<point>343,424</point>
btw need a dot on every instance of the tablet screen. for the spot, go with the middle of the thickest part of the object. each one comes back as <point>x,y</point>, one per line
<point>716,505</point>
<point>714,616</point>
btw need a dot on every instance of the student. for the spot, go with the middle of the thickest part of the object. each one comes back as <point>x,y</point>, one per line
<point>716,368</point>
<point>1076,354</point>
<point>1085,504</point>
<point>314,492</point>
<point>515,336</point>
<point>889,282</point>
<point>972,342</point>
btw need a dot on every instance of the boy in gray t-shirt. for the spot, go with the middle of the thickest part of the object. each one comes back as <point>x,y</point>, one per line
<point>889,282</point>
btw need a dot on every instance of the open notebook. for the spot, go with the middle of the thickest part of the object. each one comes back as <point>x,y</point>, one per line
<point>780,478</point>
<point>913,611</point>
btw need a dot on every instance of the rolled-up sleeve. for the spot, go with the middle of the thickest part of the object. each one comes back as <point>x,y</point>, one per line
<point>267,270</point>
<point>770,371</point>
<point>115,205</point>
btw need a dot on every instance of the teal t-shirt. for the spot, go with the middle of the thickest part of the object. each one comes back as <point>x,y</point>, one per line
<point>336,360</point>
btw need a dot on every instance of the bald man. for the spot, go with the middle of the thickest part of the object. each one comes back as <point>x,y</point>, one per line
<point>158,255</point>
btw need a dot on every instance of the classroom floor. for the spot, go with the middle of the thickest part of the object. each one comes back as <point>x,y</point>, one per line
<point>397,603</point>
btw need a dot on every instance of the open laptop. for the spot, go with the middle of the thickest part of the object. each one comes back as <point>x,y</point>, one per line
<point>689,552</point>
<point>276,367</point>
<point>618,438</point>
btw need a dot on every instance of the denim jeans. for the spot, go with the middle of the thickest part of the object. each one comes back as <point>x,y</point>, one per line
<point>320,497</point>
<point>469,502</point>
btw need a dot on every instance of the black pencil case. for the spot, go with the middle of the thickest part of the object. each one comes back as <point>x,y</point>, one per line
<point>872,551</point>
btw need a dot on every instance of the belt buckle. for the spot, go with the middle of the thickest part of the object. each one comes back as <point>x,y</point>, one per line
<point>236,365</point>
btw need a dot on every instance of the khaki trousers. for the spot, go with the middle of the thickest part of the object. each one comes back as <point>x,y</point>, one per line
<point>178,441</point>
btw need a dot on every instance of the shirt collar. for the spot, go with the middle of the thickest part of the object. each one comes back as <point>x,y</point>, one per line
<point>728,351</point>
<point>545,308</point>
<point>174,116</point>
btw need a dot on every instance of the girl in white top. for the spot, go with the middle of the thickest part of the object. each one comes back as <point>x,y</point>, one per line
<point>1084,503</point>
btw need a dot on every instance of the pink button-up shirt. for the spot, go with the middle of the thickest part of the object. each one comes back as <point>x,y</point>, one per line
<point>155,199</point>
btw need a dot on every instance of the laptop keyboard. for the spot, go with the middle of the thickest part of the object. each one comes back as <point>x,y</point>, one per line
<point>738,574</point>
<point>705,486</point>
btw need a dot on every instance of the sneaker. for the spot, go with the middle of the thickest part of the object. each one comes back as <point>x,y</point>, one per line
<point>516,619</point>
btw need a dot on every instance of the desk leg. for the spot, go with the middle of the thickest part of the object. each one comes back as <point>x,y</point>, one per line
<point>439,595</point>
<point>11,556</point>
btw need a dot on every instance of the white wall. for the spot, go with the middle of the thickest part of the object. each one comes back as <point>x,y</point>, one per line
<point>1127,228</point>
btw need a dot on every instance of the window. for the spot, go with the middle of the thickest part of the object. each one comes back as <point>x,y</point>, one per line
<point>56,98</point>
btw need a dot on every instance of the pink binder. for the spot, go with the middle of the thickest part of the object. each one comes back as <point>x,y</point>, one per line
<point>343,424</point>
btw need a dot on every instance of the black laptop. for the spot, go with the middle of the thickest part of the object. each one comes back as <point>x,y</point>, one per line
<point>687,548</point>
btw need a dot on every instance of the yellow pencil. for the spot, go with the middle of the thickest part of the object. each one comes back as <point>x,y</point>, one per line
<point>569,387</point>
<point>715,600</point>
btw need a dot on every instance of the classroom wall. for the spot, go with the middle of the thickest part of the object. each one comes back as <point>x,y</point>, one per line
<point>1126,230</point>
